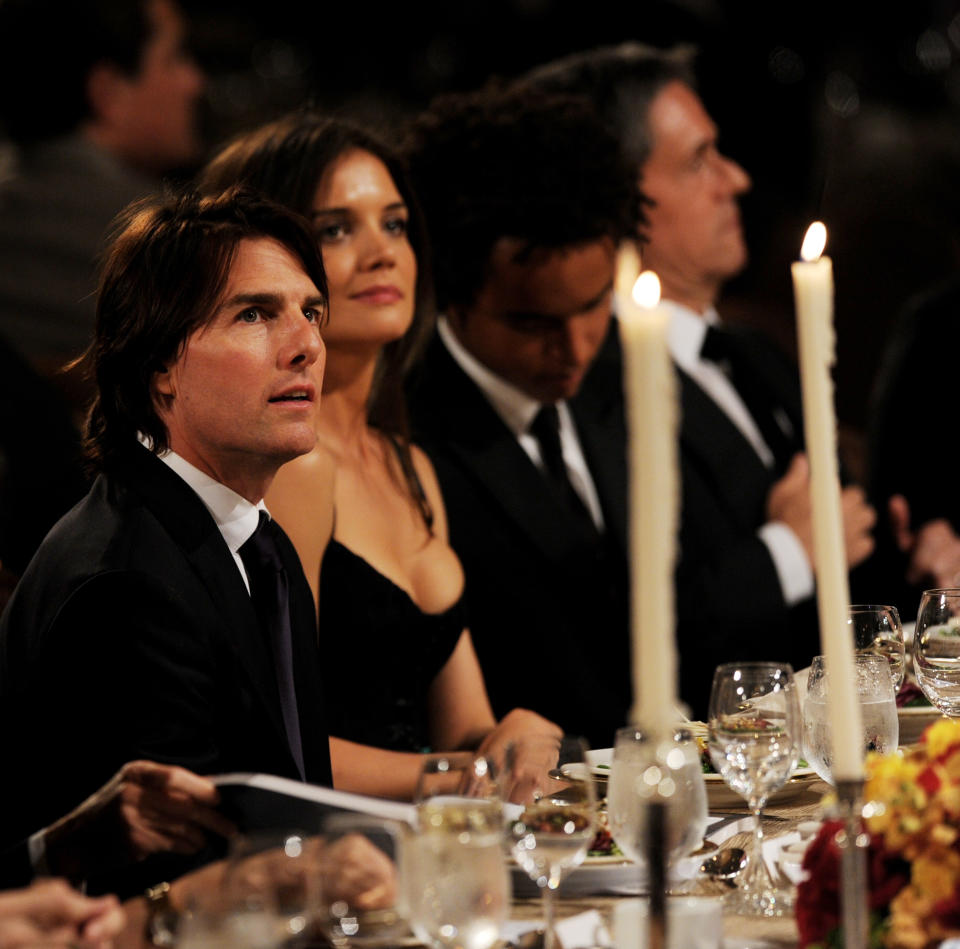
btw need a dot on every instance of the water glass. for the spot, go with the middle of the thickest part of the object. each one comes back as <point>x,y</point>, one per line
<point>453,872</point>
<point>877,631</point>
<point>878,708</point>
<point>936,649</point>
<point>629,796</point>
<point>558,824</point>
<point>754,742</point>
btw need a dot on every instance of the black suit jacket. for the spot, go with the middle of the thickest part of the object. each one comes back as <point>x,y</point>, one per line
<point>730,605</point>
<point>132,635</point>
<point>547,614</point>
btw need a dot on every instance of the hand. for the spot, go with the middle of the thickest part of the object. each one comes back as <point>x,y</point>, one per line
<point>934,550</point>
<point>50,913</point>
<point>358,872</point>
<point>145,808</point>
<point>523,747</point>
<point>789,503</point>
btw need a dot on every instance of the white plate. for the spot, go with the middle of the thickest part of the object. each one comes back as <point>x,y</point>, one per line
<point>719,795</point>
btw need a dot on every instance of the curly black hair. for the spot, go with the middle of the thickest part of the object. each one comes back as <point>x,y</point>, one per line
<point>516,163</point>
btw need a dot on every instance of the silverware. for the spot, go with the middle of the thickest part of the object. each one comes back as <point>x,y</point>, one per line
<point>725,864</point>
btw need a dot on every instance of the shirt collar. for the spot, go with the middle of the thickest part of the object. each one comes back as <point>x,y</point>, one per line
<point>514,406</point>
<point>235,516</point>
<point>686,331</point>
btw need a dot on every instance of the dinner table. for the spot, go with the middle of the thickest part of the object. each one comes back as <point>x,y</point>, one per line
<point>779,819</point>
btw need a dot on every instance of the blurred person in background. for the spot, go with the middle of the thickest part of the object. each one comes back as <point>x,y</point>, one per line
<point>99,99</point>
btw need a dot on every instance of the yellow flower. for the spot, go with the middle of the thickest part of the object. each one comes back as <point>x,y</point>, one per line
<point>941,736</point>
<point>934,874</point>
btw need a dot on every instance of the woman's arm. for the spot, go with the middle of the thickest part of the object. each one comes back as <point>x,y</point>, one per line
<point>364,769</point>
<point>301,501</point>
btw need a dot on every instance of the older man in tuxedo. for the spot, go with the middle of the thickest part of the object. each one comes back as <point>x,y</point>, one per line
<point>165,617</point>
<point>526,200</point>
<point>746,571</point>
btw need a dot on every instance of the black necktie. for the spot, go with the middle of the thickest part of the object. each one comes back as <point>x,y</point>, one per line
<point>721,347</point>
<point>270,595</point>
<point>546,429</point>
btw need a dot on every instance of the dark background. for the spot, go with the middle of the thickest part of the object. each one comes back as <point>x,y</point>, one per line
<point>838,111</point>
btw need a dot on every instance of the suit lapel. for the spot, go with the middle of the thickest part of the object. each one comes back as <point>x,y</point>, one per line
<point>719,450</point>
<point>599,415</point>
<point>190,524</point>
<point>464,424</point>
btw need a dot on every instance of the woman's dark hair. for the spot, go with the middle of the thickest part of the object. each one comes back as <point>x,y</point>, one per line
<point>164,273</point>
<point>285,161</point>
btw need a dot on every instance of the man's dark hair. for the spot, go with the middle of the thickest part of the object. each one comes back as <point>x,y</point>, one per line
<point>620,82</point>
<point>515,163</point>
<point>48,49</point>
<point>163,276</point>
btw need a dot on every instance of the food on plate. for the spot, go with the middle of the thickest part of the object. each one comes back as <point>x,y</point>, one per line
<point>603,843</point>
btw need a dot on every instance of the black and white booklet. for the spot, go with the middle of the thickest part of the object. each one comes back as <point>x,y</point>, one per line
<point>264,802</point>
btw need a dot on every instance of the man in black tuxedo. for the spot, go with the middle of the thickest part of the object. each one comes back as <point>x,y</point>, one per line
<point>165,617</point>
<point>745,576</point>
<point>526,200</point>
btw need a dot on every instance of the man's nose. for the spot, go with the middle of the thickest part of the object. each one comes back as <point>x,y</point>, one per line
<point>302,343</point>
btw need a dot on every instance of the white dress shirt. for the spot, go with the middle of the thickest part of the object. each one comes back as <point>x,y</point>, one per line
<point>518,410</point>
<point>235,516</point>
<point>685,339</point>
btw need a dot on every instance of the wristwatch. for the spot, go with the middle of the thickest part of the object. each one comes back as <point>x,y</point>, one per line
<point>160,928</point>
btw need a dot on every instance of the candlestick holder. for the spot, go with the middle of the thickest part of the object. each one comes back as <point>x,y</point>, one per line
<point>657,808</point>
<point>853,842</point>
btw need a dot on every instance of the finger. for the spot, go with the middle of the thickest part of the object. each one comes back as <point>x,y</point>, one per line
<point>898,510</point>
<point>161,807</point>
<point>106,926</point>
<point>172,778</point>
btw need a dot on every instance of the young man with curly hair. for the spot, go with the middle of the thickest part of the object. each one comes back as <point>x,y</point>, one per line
<point>526,200</point>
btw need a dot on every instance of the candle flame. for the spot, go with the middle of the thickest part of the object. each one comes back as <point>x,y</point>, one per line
<point>628,266</point>
<point>646,290</point>
<point>814,241</point>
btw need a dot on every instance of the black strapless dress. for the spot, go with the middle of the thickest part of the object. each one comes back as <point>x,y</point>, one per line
<point>381,653</point>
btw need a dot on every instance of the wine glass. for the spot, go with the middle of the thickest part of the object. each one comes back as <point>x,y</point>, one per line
<point>936,649</point>
<point>453,873</point>
<point>559,820</point>
<point>754,743</point>
<point>682,785</point>
<point>878,710</point>
<point>877,630</point>
<point>270,888</point>
<point>358,876</point>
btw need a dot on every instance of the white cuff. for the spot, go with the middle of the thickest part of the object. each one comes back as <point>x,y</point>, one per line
<point>790,560</point>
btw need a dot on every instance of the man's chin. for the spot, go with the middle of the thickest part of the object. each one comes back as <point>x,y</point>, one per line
<point>558,388</point>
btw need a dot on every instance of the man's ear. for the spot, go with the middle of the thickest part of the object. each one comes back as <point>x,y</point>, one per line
<point>108,92</point>
<point>162,386</point>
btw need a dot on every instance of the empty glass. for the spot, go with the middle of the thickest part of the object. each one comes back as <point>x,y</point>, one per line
<point>936,649</point>
<point>877,631</point>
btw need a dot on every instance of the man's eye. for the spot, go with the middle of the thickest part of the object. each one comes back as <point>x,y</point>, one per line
<point>315,315</point>
<point>251,315</point>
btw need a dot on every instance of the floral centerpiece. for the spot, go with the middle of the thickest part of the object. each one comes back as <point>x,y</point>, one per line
<point>913,819</point>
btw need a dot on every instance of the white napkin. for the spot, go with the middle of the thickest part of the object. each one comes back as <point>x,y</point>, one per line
<point>584,929</point>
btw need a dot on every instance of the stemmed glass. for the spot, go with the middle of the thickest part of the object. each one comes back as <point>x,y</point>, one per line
<point>878,708</point>
<point>936,649</point>
<point>754,743</point>
<point>877,631</point>
<point>453,873</point>
<point>629,795</point>
<point>558,823</point>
